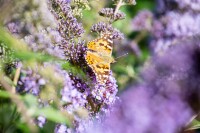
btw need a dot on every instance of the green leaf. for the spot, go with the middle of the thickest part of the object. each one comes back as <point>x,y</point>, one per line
<point>53,115</point>
<point>73,69</point>
<point>194,125</point>
<point>23,127</point>
<point>30,101</point>
<point>20,49</point>
<point>4,94</point>
<point>9,118</point>
<point>48,112</point>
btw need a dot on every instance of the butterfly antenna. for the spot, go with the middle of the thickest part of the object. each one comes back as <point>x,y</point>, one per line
<point>121,56</point>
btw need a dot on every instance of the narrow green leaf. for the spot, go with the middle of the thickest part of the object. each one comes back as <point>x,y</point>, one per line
<point>194,125</point>
<point>73,69</point>
<point>53,115</point>
<point>30,100</point>
<point>20,49</point>
<point>4,94</point>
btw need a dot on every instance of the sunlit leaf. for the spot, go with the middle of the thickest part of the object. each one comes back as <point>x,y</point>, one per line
<point>30,100</point>
<point>194,125</point>
<point>53,115</point>
<point>4,94</point>
<point>21,50</point>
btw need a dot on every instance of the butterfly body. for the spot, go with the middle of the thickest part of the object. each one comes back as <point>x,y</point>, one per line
<point>99,57</point>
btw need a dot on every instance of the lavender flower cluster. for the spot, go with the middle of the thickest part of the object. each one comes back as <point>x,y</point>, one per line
<point>110,13</point>
<point>31,83</point>
<point>173,20</point>
<point>178,23</point>
<point>67,23</point>
<point>102,27</point>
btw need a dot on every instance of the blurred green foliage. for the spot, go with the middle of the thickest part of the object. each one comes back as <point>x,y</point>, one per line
<point>11,120</point>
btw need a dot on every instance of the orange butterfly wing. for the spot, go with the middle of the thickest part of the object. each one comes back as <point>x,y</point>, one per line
<point>98,57</point>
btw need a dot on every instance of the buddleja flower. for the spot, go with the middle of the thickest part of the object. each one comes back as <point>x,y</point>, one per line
<point>102,27</point>
<point>106,94</point>
<point>68,25</point>
<point>30,83</point>
<point>47,40</point>
<point>168,12</point>
<point>143,21</point>
<point>41,121</point>
<point>177,5</point>
<point>110,13</point>
<point>26,15</point>
<point>172,22</point>
<point>74,52</point>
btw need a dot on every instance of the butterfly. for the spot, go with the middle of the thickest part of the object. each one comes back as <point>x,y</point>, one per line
<point>99,57</point>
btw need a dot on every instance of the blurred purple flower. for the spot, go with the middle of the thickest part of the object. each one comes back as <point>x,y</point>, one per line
<point>30,82</point>
<point>13,28</point>
<point>193,4</point>
<point>175,20</point>
<point>181,24</point>
<point>141,112</point>
<point>163,5</point>
<point>61,129</point>
<point>142,21</point>
<point>41,121</point>
<point>47,41</point>
<point>68,25</point>
<point>26,18</point>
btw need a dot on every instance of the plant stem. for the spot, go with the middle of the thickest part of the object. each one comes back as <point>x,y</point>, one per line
<point>120,3</point>
<point>15,80</point>
<point>140,36</point>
